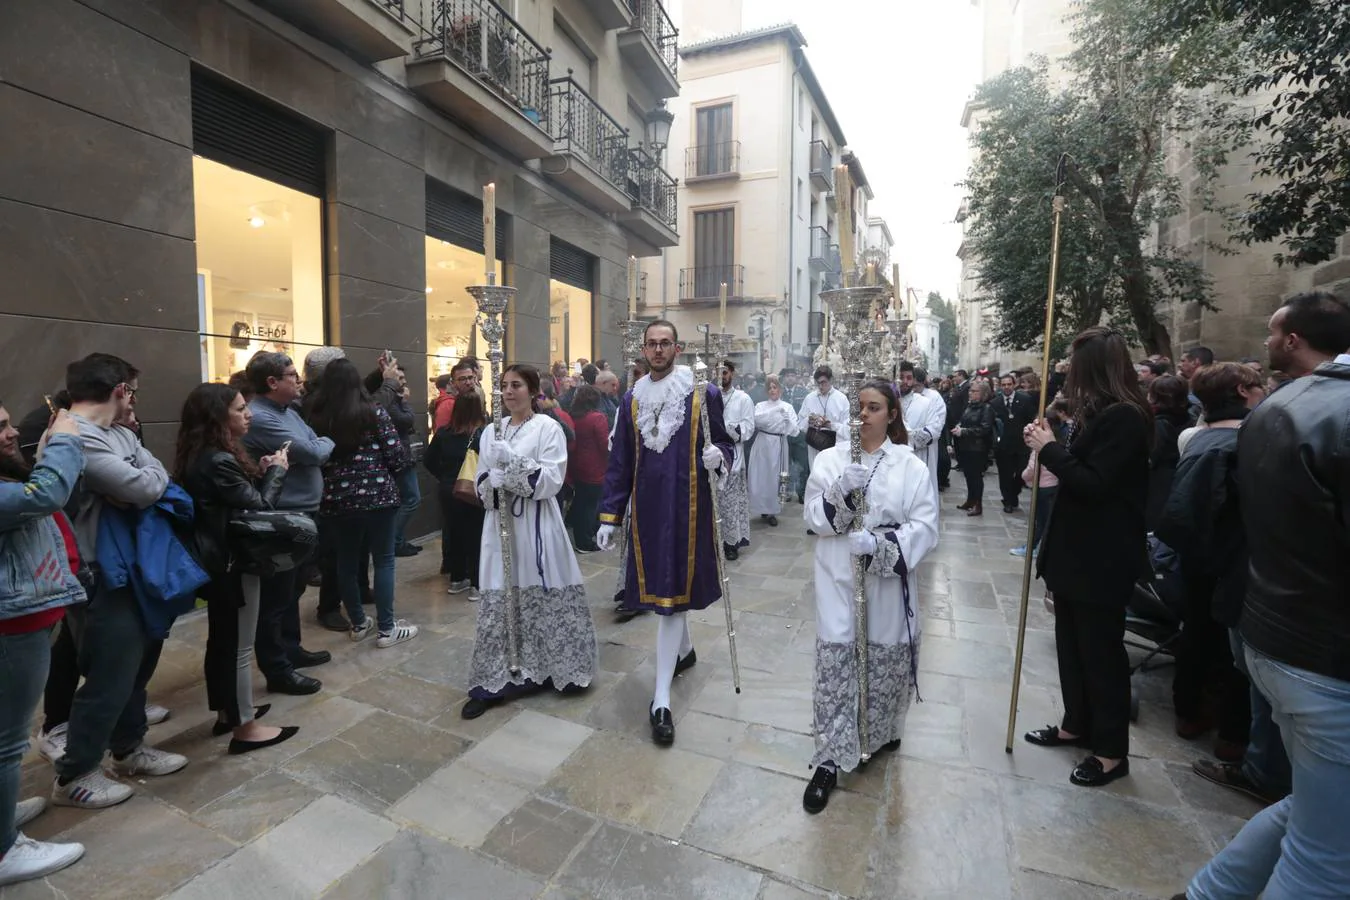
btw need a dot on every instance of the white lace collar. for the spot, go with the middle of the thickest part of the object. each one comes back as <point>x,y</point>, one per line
<point>660,406</point>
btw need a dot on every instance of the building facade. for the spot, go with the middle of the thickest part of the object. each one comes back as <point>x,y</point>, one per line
<point>201,179</point>
<point>758,142</point>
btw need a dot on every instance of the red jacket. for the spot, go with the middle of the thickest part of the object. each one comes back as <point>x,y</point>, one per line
<point>587,463</point>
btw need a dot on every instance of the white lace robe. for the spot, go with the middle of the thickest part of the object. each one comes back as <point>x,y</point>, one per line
<point>902,512</point>
<point>738,417</point>
<point>775,422</point>
<point>556,634</point>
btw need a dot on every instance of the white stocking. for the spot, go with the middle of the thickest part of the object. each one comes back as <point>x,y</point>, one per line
<point>671,631</point>
<point>686,642</point>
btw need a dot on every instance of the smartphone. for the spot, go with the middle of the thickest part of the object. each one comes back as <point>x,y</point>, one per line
<point>285,447</point>
<point>47,398</point>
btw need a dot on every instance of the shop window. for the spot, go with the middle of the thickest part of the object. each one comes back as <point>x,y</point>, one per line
<point>259,268</point>
<point>451,334</point>
<point>569,328</point>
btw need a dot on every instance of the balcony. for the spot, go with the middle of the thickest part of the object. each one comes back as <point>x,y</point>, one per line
<point>831,201</point>
<point>702,285</point>
<point>611,14</point>
<point>654,209</point>
<point>651,46</point>
<point>478,65</point>
<point>818,257</point>
<point>712,162</point>
<point>592,148</point>
<point>372,30</point>
<point>822,166</point>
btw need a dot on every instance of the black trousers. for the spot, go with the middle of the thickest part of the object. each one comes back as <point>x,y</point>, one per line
<point>1094,673</point>
<point>944,467</point>
<point>278,636</point>
<point>63,677</point>
<point>461,536</point>
<point>972,466</point>
<point>329,601</point>
<point>584,515</point>
<point>1205,666</point>
<point>1010,467</point>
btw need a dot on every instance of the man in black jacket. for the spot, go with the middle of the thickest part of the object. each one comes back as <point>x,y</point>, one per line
<point>1294,486</point>
<point>1013,411</point>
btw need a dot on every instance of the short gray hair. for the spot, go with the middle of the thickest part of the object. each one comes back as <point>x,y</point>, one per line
<point>318,358</point>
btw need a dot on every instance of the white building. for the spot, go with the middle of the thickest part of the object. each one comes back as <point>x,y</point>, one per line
<point>758,142</point>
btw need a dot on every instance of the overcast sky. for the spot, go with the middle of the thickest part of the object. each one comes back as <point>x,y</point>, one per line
<point>897,73</point>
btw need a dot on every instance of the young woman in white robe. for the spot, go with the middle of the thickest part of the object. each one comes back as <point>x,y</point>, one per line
<point>900,528</point>
<point>520,473</point>
<point>775,422</point>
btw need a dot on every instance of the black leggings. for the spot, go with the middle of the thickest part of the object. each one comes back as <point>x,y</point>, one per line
<point>461,536</point>
<point>1094,673</point>
<point>972,466</point>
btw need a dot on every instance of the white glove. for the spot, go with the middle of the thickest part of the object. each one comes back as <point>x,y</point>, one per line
<point>604,537</point>
<point>920,439</point>
<point>854,477</point>
<point>862,543</point>
<point>498,454</point>
<point>712,458</point>
<point>496,478</point>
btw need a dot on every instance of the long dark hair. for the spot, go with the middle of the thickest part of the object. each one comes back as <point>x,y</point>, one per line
<point>467,413</point>
<point>585,400</point>
<point>205,428</point>
<point>529,375</point>
<point>341,407</point>
<point>1102,374</point>
<point>896,430</point>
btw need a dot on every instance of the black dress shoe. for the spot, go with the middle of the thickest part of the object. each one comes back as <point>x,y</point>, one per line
<point>475,707</point>
<point>686,662</point>
<point>817,795</point>
<point>237,746</point>
<point>663,726</point>
<point>220,728</point>
<point>294,683</point>
<point>889,746</point>
<point>334,620</point>
<point>731,552</point>
<point>1049,737</point>
<point>1091,773</point>
<point>773,521</point>
<point>304,659</point>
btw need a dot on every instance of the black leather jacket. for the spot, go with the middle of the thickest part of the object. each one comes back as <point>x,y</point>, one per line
<point>218,486</point>
<point>977,429</point>
<point>1294,482</point>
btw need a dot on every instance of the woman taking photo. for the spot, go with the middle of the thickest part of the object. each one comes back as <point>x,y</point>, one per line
<point>1093,549</point>
<point>360,496</point>
<point>461,521</point>
<point>520,472</point>
<point>775,423</point>
<point>899,528</point>
<point>974,436</point>
<point>213,467</point>
<point>586,465</point>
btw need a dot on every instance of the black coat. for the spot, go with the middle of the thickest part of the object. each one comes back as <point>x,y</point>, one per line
<point>219,486</point>
<point>1013,416</point>
<point>1162,462</point>
<point>1093,548</point>
<point>977,431</point>
<point>956,404</point>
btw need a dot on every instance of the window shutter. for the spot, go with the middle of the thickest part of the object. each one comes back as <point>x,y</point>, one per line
<point>570,265</point>
<point>458,218</point>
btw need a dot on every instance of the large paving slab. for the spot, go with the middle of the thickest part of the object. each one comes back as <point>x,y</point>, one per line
<point>388,792</point>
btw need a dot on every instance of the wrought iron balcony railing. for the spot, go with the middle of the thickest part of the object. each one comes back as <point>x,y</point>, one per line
<point>712,160</point>
<point>651,17</point>
<point>705,282</point>
<point>820,244</point>
<point>584,130</point>
<point>482,39</point>
<point>822,165</point>
<point>652,187</point>
<point>394,6</point>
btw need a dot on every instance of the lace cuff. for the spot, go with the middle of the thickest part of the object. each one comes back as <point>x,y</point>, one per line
<point>888,561</point>
<point>839,508</point>
<point>521,475</point>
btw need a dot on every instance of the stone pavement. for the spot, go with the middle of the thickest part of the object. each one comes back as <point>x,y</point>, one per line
<point>387,793</point>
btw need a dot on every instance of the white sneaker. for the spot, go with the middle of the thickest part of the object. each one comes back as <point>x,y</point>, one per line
<point>92,791</point>
<point>459,587</point>
<point>402,632</point>
<point>474,596</point>
<point>29,859</point>
<point>361,632</point>
<point>26,811</point>
<point>154,713</point>
<point>52,744</point>
<point>147,760</point>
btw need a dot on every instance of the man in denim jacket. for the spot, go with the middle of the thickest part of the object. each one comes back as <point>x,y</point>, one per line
<point>36,585</point>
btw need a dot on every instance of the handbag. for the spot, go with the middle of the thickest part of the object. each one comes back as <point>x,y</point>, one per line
<point>264,542</point>
<point>820,438</point>
<point>466,483</point>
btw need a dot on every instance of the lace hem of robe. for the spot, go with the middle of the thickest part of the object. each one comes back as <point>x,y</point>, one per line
<point>835,699</point>
<point>555,633</point>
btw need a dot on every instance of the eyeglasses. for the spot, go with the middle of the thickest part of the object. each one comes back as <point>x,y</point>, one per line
<point>659,345</point>
<point>130,391</point>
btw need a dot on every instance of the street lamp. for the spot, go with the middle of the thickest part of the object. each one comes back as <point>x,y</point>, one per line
<point>659,121</point>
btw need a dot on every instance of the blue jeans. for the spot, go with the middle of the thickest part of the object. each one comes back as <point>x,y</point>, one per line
<point>24,659</point>
<point>350,534</point>
<point>1296,849</point>
<point>1265,762</point>
<point>1045,501</point>
<point>410,497</point>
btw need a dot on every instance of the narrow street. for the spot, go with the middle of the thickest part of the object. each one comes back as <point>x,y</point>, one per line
<point>387,792</point>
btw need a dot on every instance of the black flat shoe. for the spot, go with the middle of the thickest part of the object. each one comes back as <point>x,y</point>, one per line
<point>334,621</point>
<point>773,521</point>
<point>1091,773</point>
<point>304,659</point>
<point>1049,737</point>
<point>237,746</point>
<point>889,746</point>
<point>663,726</point>
<point>294,683</point>
<point>817,795</point>
<point>221,728</point>
<point>475,707</point>
<point>731,552</point>
<point>686,662</point>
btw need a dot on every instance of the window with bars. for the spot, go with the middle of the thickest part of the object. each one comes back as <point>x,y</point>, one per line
<point>713,138</point>
<point>714,250</point>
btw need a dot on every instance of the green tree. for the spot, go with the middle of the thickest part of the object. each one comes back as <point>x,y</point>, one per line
<point>945,313</point>
<point>1122,109</point>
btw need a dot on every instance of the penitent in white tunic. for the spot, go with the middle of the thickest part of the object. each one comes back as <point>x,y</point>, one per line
<point>775,422</point>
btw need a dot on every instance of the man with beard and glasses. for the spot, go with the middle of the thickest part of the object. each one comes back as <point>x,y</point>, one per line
<point>734,494</point>
<point>662,461</point>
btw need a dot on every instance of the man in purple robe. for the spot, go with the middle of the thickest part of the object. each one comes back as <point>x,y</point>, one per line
<point>660,460</point>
